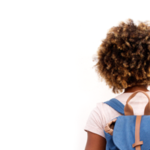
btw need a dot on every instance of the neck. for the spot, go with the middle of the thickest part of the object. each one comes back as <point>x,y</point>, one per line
<point>135,88</point>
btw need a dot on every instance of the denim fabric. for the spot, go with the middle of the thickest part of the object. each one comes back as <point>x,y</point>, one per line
<point>115,104</point>
<point>110,144</point>
<point>124,133</point>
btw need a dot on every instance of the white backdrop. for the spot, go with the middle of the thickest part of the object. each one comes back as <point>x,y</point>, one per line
<point>47,84</point>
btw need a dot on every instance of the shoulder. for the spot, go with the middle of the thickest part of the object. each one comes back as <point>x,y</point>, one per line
<point>99,116</point>
<point>96,120</point>
<point>102,113</point>
<point>104,109</point>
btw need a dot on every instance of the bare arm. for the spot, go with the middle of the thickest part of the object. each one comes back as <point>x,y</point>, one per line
<point>95,142</point>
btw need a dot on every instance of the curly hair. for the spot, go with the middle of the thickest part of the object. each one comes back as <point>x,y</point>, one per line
<point>123,58</point>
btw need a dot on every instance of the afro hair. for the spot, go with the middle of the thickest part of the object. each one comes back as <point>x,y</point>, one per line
<point>123,58</point>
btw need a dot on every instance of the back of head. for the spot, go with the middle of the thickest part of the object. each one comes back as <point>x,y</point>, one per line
<point>123,58</point>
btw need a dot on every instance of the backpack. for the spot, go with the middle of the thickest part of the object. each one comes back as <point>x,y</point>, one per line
<point>129,131</point>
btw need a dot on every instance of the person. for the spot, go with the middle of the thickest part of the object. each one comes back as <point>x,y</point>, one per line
<point>123,61</point>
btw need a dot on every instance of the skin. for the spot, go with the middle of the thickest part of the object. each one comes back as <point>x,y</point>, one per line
<point>137,87</point>
<point>97,142</point>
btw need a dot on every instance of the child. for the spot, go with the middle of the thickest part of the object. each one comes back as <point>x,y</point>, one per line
<point>123,61</point>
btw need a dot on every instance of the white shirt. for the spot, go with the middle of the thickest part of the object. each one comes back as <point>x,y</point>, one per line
<point>103,113</point>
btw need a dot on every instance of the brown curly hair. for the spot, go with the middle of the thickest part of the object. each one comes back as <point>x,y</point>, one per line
<point>123,58</point>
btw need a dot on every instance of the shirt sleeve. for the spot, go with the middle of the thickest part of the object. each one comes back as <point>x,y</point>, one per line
<point>95,122</point>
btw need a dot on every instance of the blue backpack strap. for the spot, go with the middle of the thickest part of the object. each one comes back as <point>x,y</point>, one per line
<point>116,104</point>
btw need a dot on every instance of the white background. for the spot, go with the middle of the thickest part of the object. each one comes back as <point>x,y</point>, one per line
<point>47,84</point>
